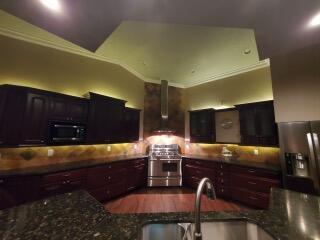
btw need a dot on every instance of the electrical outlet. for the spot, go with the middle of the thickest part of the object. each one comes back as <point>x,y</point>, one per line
<point>109,148</point>
<point>50,152</point>
<point>256,152</point>
<point>135,146</point>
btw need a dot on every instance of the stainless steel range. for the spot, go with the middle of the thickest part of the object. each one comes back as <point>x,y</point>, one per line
<point>164,167</point>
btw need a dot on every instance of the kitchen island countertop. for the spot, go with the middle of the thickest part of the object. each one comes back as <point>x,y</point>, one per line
<point>77,215</point>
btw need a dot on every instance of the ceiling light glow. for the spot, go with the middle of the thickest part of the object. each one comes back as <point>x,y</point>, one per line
<point>52,4</point>
<point>315,21</point>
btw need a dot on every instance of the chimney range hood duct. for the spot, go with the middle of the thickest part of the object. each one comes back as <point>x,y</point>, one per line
<point>164,110</point>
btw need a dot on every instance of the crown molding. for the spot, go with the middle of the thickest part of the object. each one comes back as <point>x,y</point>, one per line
<point>83,52</point>
<point>261,64</point>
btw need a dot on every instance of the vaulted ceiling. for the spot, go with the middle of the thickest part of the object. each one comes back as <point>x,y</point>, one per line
<point>279,25</point>
<point>185,55</point>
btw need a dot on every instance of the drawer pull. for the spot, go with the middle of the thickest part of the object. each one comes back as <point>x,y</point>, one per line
<point>109,166</point>
<point>221,166</point>
<point>221,180</point>
<point>221,174</point>
<point>252,183</point>
<point>108,178</point>
<point>253,198</point>
<point>251,171</point>
<point>67,175</point>
<point>52,188</point>
<point>222,190</point>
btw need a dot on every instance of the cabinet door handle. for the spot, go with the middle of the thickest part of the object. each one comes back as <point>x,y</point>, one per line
<point>252,183</point>
<point>221,174</point>
<point>109,166</point>
<point>108,178</point>
<point>253,198</point>
<point>222,190</point>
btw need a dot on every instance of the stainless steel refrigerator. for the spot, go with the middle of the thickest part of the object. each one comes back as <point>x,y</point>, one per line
<point>300,155</point>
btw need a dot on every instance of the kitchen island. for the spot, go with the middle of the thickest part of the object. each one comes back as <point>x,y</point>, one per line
<point>77,215</point>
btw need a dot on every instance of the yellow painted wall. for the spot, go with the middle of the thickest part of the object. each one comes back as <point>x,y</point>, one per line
<point>248,87</point>
<point>27,64</point>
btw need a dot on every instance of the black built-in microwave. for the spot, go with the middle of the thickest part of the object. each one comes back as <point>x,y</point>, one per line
<point>61,132</point>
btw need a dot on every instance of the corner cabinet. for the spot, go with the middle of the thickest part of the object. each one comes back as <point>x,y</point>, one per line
<point>106,119</point>
<point>257,124</point>
<point>202,126</point>
<point>131,124</point>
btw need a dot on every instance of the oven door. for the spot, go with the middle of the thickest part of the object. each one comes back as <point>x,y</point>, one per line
<point>164,168</point>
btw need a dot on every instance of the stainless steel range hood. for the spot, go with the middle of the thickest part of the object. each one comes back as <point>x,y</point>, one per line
<point>164,109</point>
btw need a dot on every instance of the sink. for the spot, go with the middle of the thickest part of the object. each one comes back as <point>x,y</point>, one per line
<point>220,230</point>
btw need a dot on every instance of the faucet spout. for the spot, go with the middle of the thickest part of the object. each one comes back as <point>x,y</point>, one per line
<point>211,194</point>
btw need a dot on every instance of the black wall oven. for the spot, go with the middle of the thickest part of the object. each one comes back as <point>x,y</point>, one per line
<point>61,132</point>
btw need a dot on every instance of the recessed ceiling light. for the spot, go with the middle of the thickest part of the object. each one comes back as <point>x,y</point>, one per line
<point>247,51</point>
<point>315,21</point>
<point>52,4</point>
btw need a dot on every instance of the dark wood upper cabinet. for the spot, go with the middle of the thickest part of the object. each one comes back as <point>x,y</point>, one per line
<point>67,108</point>
<point>106,119</point>
<point>202,126</point>
<point>2,114</point>
<point>25,114</point>
<point>35,124</point>
<point>257,124</point>
<point>131,124</point>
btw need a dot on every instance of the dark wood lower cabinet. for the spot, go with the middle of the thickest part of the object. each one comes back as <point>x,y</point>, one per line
<point>17,190</point>
<point>102,182</point>
<point>247,185</point>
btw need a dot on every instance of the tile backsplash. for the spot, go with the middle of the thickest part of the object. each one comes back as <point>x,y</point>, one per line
<point>242,153</point>
<point>12,158</point>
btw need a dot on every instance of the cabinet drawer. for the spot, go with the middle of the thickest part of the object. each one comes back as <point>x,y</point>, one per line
<point>102,178</point>
<point>64,176</point>
<point>223,191</point>
<point>108,192</point>
<point>192,181</point>
<point>262,185</point>
<point>200,163</point>
<point>255,172</point>
<point>198,172</point>
<point>222,181</point>
<point>254,199</point>
<point>60,187</point>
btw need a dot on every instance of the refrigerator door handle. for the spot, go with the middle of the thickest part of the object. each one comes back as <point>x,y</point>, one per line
<point>310,145</point>
<point>316,145</point>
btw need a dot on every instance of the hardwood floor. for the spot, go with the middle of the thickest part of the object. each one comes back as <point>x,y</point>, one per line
<point>153,200</point>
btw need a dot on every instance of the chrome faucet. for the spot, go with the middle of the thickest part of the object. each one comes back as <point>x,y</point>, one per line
<point>211,194</point>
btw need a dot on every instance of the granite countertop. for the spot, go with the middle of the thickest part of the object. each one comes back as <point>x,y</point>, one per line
<point>65,166</point>
<point>234,161</point>
<point>77,215</point>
